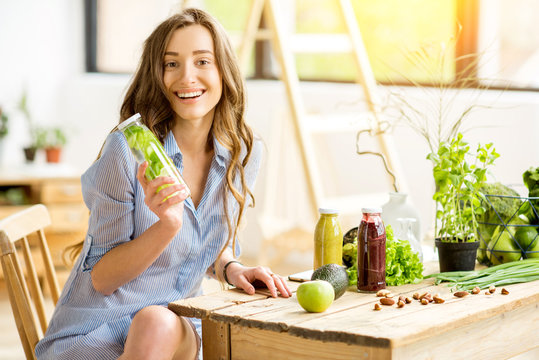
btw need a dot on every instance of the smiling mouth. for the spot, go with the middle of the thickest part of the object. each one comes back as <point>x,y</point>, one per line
<point>190,95</point>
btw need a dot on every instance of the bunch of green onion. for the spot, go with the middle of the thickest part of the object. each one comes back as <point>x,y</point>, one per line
<point>504,274</point>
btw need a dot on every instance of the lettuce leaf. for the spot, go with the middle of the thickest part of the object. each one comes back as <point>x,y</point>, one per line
<point>402,264</point>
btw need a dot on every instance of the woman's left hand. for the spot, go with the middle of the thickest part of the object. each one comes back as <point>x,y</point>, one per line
<point>244,277</point>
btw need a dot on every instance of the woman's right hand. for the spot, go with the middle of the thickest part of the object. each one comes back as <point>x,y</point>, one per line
<point>169,211</point>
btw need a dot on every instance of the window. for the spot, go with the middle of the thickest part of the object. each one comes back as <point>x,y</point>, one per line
<point>116,30</point>
<point>503,33</point>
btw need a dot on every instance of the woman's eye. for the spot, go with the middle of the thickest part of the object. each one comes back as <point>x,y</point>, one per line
<point>170,64</point>
<point>203,62</point>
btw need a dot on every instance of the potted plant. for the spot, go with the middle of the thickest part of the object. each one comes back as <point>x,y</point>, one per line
<point>31,149</point>
<point>3,130</point>
<point>459,175</point>
<point>52,140</point>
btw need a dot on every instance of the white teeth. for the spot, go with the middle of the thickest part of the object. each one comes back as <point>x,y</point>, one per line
<point>189,94</point>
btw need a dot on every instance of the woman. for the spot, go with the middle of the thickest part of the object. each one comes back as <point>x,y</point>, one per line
<point>142,251</point>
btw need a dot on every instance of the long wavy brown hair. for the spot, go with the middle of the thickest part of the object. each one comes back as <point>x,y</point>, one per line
<point>147,95</point>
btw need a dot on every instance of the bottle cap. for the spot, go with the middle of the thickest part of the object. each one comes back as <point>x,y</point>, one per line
<point>371,210</point>
<point>128,121</point>
<point>328,211</point>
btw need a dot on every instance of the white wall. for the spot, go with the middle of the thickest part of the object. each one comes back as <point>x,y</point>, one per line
<point>41,49</point>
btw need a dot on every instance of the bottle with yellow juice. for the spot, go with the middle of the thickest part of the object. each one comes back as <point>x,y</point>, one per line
<point>327,239</point>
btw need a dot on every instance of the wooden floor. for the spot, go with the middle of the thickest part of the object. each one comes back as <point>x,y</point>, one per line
<point>11,349</point>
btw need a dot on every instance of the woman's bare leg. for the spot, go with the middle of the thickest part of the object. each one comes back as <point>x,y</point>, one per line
<point>158,333</point>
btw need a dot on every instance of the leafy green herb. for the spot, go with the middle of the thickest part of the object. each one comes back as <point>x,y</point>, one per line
<point>458,183</point>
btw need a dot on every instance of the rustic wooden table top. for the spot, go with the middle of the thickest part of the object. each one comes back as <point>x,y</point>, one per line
<point>502,325</point>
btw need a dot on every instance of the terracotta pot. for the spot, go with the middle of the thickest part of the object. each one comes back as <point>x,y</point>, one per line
<point>53,154</point>
<point>456,256</point>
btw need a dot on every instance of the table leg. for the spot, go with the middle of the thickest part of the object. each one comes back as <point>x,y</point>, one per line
<point>215,340</point>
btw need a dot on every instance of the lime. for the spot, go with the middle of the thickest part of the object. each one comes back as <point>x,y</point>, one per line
<point>315,295</point>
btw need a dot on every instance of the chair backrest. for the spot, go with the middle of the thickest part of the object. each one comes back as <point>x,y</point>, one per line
<point>25,293</point>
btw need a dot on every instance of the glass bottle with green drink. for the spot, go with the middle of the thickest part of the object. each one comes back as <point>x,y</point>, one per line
<point>327,239</point>
<point>146,147</point>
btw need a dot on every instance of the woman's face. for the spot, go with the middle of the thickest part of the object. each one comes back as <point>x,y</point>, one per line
<point>191,76</point>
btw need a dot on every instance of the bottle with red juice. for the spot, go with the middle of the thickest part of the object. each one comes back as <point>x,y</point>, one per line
<point>371,251</point>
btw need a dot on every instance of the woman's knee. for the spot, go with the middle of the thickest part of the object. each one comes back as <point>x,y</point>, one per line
<point>158,320</point>
<point>158,332</point>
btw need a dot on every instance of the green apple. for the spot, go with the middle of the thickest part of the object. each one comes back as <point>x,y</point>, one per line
<point>502,248</point>
<point>534,247</point>
<point>525,236</point>
<point>315,295</point>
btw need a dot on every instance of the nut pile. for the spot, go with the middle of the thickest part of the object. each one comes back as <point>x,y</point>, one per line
<point>386,297</point>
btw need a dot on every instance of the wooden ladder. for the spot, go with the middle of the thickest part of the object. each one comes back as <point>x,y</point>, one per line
<point>306,125</point>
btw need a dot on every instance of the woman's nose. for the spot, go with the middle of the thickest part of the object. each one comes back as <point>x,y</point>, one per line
<point>187,74</point>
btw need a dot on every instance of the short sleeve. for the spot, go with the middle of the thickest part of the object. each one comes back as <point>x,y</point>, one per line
<point>108,188</point>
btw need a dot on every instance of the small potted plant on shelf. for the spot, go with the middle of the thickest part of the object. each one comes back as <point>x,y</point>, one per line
<point>31,149</point>
<point>52,140</point>
<point>3,131</point>
<point>459,175</point>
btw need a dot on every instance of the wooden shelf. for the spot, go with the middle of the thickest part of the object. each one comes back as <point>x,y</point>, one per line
<point>58,188</point>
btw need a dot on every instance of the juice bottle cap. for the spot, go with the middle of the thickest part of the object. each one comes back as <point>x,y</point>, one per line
<point>328,211</point>
<point>129,121</point>
<point>371,210</point>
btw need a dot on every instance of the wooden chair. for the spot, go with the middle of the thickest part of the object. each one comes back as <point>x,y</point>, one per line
<point>25,292</point>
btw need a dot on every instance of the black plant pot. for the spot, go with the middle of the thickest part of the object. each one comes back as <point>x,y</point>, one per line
<point>456,256</point>
<point>30,153</point>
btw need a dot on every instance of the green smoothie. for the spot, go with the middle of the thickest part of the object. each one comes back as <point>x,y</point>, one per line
<point>327,239</point>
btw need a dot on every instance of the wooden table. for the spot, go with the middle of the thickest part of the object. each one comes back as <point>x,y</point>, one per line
<point>238,326</point>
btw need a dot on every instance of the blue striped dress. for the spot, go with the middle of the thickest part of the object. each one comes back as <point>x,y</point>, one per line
<point>88,325</point>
